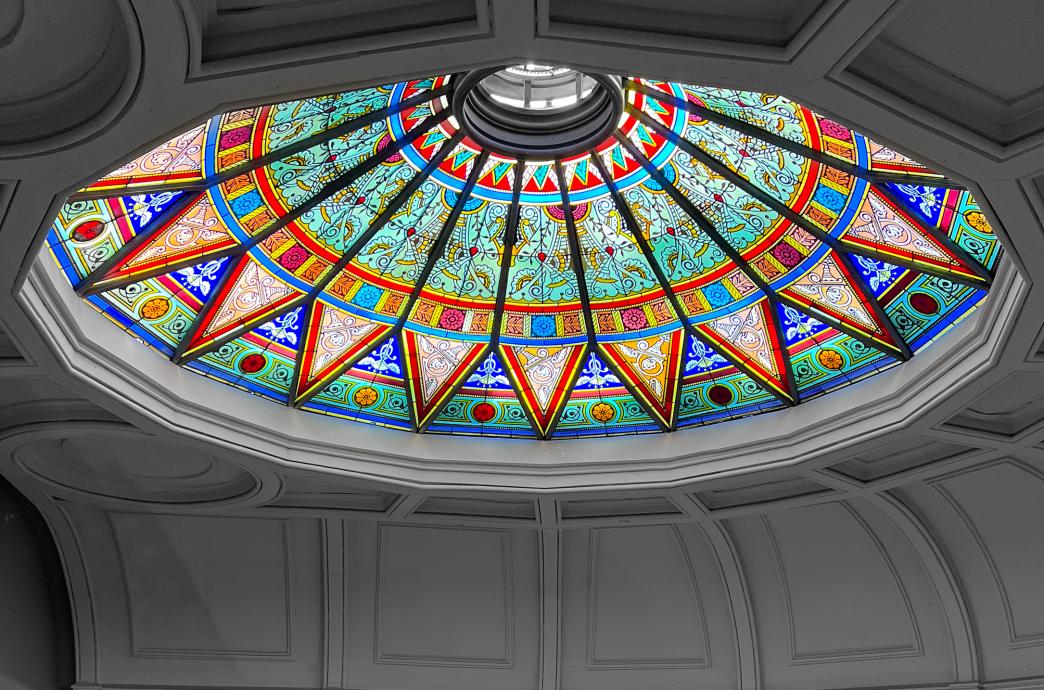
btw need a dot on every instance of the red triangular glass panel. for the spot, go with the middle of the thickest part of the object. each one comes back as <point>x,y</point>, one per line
<point>829,290</point>
<point>188,238</point>
<point>250,295</point>
<point>750,336</point>
<point>543,375</point>
<point>333,338</point>
<point>434,367</point>
<point>652,366</point>
<point>890,232</point>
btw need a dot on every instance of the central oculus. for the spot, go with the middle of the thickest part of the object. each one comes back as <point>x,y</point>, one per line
<point>537,111</point>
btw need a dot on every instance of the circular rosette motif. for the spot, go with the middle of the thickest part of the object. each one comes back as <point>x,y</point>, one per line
<point>709,254</point>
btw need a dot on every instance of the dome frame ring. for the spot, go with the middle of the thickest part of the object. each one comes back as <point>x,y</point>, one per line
<point>593,124</point>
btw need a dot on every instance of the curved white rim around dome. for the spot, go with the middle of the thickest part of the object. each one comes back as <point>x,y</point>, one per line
<point>159,395</point>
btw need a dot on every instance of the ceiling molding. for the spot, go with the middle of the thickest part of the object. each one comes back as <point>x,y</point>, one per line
<point>226,36</point>
<point>180,400</point>
<point>60,107</point>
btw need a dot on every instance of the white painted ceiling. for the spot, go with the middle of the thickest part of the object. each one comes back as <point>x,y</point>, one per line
<point>906,556</point>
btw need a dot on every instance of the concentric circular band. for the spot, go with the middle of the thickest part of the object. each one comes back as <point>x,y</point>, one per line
<point>666,257</point>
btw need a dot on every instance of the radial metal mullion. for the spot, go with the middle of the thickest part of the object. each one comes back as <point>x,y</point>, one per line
<point>98,272</point>
<point>379,222</point>
<point>643,244</point>
<point>328,190</point>
<point>779,207</point>
<point>444,236</point>
<point>276,154</point>
<point>665,283</point>
<point>575,258</point>
<point>510,236</point>
<point>578,266</point>
<point>433,257</point>
<point>730,251</point>
<point>940,236</point>
<point>903,351</point>
<point>190,186</point>
<point>783,142</point>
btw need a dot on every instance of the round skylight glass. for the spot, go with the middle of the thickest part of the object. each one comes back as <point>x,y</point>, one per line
<point>388,256</point>
<point>541,88</point>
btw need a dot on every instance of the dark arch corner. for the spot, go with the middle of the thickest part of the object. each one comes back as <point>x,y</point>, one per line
<point>36,633</point>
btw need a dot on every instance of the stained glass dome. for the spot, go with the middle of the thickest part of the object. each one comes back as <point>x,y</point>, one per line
<point>532,252</point>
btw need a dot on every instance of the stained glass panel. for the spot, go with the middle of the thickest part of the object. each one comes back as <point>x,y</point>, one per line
<point>718,254</point>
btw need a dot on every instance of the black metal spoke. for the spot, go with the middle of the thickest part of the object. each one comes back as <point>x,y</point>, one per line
<point>91,286</point>
<point>576,259</point>
<point>784,143</point>
<point>328,190</point>
<point>276,154</point>
<point>433,256</point>
<point>510,236</point>
<point>668,287</point>
<point>585,298</point>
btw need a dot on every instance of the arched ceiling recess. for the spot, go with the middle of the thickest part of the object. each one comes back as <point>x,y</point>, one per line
<point>806,429</point>
<point>58,103</point>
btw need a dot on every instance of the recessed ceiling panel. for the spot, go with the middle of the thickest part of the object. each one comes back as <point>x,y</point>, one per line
<point>991,85</point>
<point>224,32</point>
<point>756,22</point>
